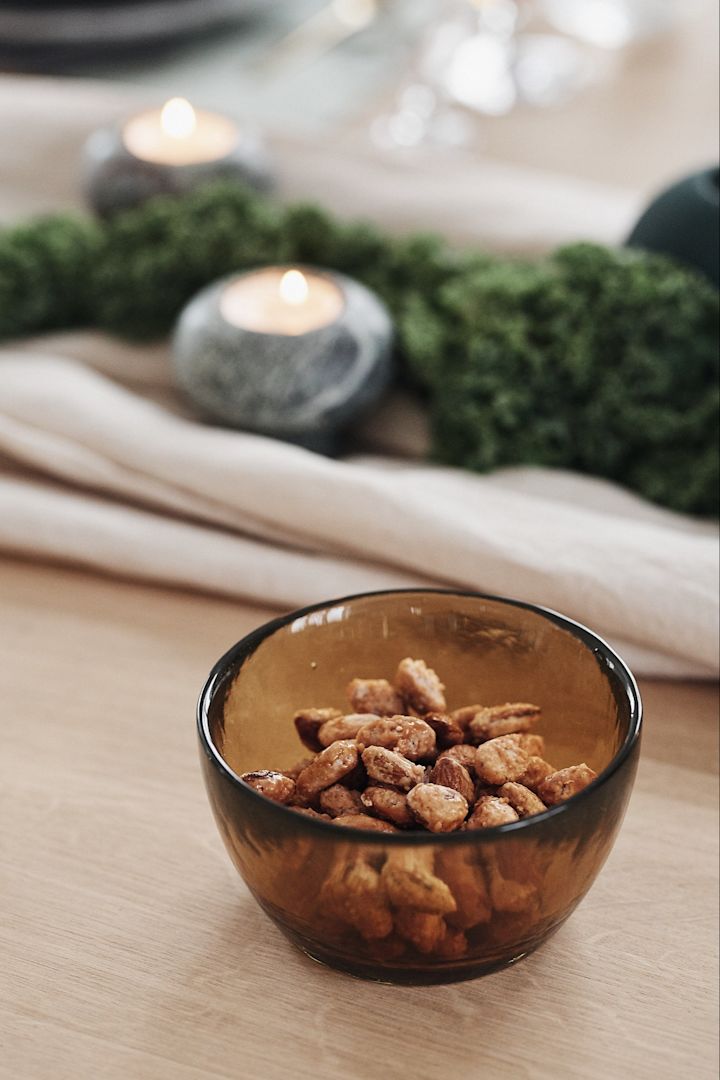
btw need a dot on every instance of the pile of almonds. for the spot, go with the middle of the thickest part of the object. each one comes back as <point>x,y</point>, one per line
<point>401,761</point>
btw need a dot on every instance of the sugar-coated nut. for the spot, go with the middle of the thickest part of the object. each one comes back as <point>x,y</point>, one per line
<point>500,760</point>
<point>388,803</point>
<point>410,882</point>
<point>451,773</point>
<point>408,735</point>
<point>535,773</point>
<point>422,929</point>
<point>341,727</point>
<point>309,812</point>
<point>389,767</point>
<point>524,801</point>
<point>364,821</point>
<point>374,696</point>
<point>453,945</point>
<point>354,892</point>
<point>337,800</point>
<point>464,754</point>
<point>308,723</point>
<point>506,719</point>
<point>509,893</point>
<point>335,762</point>
<point>463,716</point>
<point>511,896</point>
<point>294,771</point>
<point>490,811</point>
<point>565,783</point>
<point>420,686</point>
<point>358,778</point>
<point>466,882</point>
<point>532,744</point>
<point>440,809</point>
<point>447,731</point>
<point>274,785</point>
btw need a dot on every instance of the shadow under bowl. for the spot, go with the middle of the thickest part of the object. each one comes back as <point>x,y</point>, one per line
<point>500,892</point>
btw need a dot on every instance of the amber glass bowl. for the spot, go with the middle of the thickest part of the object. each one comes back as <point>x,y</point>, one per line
<point>501,891</point>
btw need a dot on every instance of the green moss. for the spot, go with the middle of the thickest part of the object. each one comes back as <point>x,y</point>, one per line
<point>595,359</point>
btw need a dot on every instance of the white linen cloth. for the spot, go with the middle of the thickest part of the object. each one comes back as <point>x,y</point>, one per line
<point>103,466</point>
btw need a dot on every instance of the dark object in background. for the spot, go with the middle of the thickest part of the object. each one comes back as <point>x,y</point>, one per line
<point>684,222</point>
<point>34,32</point>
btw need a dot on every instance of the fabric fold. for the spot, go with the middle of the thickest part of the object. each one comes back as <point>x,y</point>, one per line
<point>631,571</point>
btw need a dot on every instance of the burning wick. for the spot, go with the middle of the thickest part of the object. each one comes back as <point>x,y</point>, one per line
<point>294,287</point>
<point>177,118</point>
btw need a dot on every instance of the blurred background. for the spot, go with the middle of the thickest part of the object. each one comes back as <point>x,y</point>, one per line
<point>620,91</point>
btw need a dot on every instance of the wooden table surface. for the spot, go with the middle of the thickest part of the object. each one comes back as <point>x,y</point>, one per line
<point>130,950</point>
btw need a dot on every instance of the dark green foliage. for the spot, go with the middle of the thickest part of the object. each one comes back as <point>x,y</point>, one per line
<point>593,359</point>
<point>597,360</point>
<point>45,269</point>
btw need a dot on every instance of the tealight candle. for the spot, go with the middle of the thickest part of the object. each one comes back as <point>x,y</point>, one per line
<point>168,151</point>
<point>291,352</point>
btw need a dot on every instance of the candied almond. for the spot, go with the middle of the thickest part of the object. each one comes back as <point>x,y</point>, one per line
<point>331,765</point>
<point>467,884</point>
<point>451,773</point>
<point>407,735</point>
<point>464,754</point>
<point>363,821</point>
<point>524,801</point>
<point>532,744</point>
<point>453,945</point>
<point>423,929</point>
<point>463,716</point>
<point>410,882</point>
<point>490,811</point>
<point>309,721</point>
<point>341,727</point>
<point>294,771</point>
<point>420,686</point>
<point>389,767</point>
<point>447,731</point>
<point>374,696</point>
<point>440,809</point>
<point>535,773</point>
<point>500,760</point>
<point>274,785</point>
<point>388,803</point>
<point>507,719</point>
<point>355,893</point>
<point>309,812</point>
<point>565,783</point>
<point>337,800</point>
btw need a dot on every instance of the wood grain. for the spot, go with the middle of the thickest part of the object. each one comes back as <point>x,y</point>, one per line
<point>129,948</point>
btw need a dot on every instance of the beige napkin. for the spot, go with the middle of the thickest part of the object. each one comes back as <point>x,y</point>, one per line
<point>637,574</point>
<point>105,466</point>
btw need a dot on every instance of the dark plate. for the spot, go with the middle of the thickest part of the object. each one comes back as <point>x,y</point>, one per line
<point>81,24</point>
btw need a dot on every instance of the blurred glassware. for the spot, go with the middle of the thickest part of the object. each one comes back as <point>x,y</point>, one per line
<point>480,57</point>
<point>614,24</point>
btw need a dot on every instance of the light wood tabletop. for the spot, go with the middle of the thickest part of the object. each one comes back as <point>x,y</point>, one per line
<point>130,949</point>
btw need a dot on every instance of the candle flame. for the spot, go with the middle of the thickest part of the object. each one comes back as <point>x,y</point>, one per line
<point>294,287</point>
<point>177,118</point>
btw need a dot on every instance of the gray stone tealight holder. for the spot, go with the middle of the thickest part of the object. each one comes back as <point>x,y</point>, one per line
<point>303,383</point>
<point>131,162</point>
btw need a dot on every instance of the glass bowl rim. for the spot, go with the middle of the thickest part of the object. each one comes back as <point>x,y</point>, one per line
<point>250,642</point>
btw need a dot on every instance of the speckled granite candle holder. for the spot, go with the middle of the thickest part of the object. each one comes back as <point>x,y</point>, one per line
<point>292,353</point>
<point>169,151</point>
